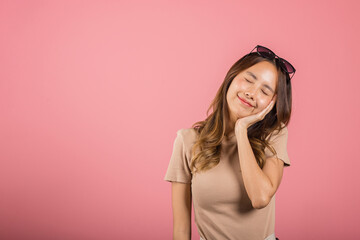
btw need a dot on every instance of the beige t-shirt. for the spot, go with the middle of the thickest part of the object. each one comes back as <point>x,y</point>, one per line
<point>222,207</point>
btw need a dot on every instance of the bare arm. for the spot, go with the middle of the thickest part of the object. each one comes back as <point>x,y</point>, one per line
<point>260,184</point>
<point>181,204</point>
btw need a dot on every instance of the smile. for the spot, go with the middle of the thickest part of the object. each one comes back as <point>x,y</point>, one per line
<point>245,103</point>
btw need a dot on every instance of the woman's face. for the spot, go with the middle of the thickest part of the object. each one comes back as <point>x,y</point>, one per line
<point>256,85</point>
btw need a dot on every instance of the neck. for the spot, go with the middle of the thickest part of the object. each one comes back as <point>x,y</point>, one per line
<point>229,129</point>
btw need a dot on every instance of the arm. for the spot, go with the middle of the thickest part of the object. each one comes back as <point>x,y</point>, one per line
<point>181,204</point>
<point>260,184</point>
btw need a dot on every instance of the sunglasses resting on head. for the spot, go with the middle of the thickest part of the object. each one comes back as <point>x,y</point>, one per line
<point>267,53</point>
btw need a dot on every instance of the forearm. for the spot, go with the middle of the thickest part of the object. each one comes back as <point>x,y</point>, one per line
<point>182,206</point>
<point>256,183</point>
<point>183,231</point>
<point>182,235</point>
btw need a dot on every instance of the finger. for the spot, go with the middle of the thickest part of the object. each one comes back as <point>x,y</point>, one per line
<point>271,105</point>
<point>268,108</point>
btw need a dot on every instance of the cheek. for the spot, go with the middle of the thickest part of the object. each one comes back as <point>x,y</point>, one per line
<point>263,103</point>
<point>241,85</point>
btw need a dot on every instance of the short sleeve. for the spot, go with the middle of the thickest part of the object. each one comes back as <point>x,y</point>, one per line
<point>178,169</point>
<point>279,143</point>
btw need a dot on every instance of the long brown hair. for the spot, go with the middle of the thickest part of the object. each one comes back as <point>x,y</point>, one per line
<point>211,131</point>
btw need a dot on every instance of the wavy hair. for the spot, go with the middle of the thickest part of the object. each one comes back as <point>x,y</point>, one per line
<point>211,131</point>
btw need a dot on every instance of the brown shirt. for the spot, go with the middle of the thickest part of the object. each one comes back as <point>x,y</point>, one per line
<point>222,207</point>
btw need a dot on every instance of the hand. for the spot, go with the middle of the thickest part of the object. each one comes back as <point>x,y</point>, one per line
<point>245,122</point>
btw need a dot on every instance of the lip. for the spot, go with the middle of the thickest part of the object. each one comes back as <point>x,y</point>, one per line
<point>245,102</point>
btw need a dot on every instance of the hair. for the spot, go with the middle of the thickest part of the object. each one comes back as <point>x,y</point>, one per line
<point>211,131</point>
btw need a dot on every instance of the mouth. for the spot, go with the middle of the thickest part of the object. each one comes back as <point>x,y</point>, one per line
<point>245,102</point>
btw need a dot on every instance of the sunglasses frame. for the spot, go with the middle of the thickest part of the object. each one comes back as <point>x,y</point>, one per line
<point>276,57</point>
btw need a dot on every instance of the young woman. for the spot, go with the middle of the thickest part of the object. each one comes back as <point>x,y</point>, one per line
<point>231,164</point>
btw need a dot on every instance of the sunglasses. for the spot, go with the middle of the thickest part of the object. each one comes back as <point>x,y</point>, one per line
<point>267,53</point>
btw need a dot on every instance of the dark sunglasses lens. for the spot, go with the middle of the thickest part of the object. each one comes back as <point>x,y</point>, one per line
<point>288,66</point>
<point>265,52</point>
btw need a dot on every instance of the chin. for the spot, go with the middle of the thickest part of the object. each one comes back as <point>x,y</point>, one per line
<point>242,115</point>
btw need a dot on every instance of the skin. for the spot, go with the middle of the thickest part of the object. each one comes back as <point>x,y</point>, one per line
<point>253,92</point>
<point>260,184</point>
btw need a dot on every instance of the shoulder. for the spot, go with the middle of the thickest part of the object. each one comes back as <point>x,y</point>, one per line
<point>284,130</point>
<point>277,134</point>
<point>189,135</point>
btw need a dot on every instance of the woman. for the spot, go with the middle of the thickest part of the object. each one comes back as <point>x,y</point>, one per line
<point>231,164</point>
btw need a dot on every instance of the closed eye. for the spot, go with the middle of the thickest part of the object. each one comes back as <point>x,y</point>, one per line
<point>261,90</point>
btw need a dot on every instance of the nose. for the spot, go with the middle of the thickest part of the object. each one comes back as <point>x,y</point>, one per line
<point>252,91</point>
<point>249,94</point>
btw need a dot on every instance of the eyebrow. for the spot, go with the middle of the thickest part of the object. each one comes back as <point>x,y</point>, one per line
<point>254,76</point>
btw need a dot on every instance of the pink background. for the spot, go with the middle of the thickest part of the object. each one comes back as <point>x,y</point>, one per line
<point>93,92</point>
